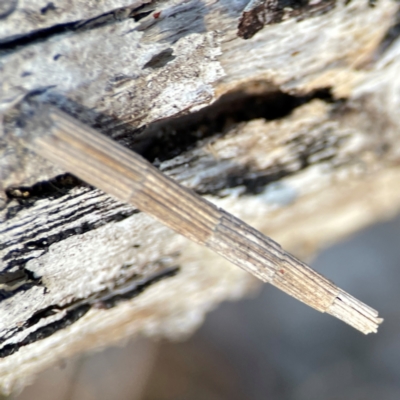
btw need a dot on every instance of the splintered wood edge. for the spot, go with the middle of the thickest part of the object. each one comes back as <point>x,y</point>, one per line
<point>265,259</point>
<point>127,176</point>
<point>355,313</point>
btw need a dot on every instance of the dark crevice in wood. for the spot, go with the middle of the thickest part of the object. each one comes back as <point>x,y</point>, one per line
<point>76,310</point>
<point>27,196</point>
<point>15,258</point>
<point>269,12</point>
<point>391,35</point>
<point>34,319</point>
<point>6,294</point>
<point>138,16</point>
<point>183,134</point>
<point>160,60</point>
<point>170,138</point>
<point>10,278</point>
<point>48,7</point>
<point>15,42</point>
<point>19,280</point>
<point>46,331</point>
<point>17,263</point>
<point>111,300</point>
<point>253,182</point>
<point>69,218</point>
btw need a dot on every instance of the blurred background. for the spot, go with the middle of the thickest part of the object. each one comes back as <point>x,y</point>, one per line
<point>265,347</point>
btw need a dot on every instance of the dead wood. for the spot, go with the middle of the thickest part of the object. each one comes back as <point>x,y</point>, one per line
<point>292,125</point>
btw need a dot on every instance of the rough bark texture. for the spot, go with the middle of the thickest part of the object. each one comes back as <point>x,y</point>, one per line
<point>290,123</point>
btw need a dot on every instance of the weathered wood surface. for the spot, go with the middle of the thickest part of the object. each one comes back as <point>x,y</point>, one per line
<point>303,145</point>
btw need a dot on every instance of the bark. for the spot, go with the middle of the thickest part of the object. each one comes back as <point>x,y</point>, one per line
<point>286,117</point>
